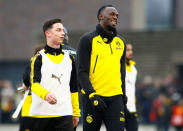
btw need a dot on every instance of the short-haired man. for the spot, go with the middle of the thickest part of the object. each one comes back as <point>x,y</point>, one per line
<point>53,83</point>
<point>101,73</point>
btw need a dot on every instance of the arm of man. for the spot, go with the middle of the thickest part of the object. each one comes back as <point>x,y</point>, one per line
<point>26,79</point>
<point>74,94</point>
<point>35,77</point>
<point>26,75</point>
<point>83,64</point>
<point>123,73</point>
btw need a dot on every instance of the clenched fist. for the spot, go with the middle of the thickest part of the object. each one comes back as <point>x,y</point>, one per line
<point>50,98</point>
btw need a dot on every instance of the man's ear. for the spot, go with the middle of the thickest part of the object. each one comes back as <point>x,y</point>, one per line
<point>47,33</point>
<point>101,17</point>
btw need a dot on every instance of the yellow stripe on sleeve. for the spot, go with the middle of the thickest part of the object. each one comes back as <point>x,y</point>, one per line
<point>36,87</point>
<point>39,90</point>
<point>75,104</point>
<point>33,59</point>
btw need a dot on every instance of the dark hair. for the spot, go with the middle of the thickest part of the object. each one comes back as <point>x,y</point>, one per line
<point>101,9</point>
<point>48,24</point>
<point>38,48</point>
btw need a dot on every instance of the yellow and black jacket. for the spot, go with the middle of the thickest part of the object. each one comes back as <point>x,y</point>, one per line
<point>56,56</point>
<point>101,63</point>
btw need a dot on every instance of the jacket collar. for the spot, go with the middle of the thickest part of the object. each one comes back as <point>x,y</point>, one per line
<point>130,62</point>
<point>107,37</point>
<point>53,51</point>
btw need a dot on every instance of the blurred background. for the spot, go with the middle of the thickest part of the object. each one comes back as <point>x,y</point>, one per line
<point>154,27</point>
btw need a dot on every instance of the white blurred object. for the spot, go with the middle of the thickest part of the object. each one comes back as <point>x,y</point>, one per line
<point>21,89</point>
<point>176,96</point>
<point>19,107</point>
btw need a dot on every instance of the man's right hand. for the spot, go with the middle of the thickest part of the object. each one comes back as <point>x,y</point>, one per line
<point>97,102</point>
<point>50,98</point>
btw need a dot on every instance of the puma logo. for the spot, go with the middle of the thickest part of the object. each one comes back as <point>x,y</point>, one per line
<point>56,77</point>
<point>99,42</point>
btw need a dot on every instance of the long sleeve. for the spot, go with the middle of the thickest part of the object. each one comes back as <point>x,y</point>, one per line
<point>83,64</point>
<point>26,75</point>
<point>123,70</point>
<point>74,90</point>
<point>36,77</point>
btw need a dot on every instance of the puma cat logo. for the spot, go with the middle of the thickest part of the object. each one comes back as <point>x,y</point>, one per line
<point>56,77</point>
<point>99,42</point>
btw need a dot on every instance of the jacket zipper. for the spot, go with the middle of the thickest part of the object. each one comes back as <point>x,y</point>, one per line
<point>95,64</point>
<point>110,48</point>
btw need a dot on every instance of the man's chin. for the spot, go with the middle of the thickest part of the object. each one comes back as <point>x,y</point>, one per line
<point>59,42</point>
<point>111,27</point>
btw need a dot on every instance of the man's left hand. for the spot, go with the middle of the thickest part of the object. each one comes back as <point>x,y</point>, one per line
<point>75,120</point>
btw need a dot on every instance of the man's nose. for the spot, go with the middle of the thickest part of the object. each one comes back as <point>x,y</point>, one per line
<point>63,33</point>
<point>115,17</point>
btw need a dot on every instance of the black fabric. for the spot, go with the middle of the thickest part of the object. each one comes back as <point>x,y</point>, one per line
<point>26,75</point>
<point>63,123</point>
<point>105,34</point>
<point>131,123</point>
<point>75,128</point>
<point>73,80</point>
<point>123,73</point>
<point>26,124</point>
<point>83,62</point>
<point>93,118</point>
<point>100,103</point>
<point>53,51</point>
<point>125,99</point>
<point>37,69</point>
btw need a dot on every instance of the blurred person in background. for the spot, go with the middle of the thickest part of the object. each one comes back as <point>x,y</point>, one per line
<point>177,116</point>
<point>7,100</point>
<point>101,73</point>
<point>160,112</point>
<point>54,83</point>
<point>144,99</point>
<point>65,44</point>
<point>26,121</point>
<point>67,47</point>
<point>131,123</point>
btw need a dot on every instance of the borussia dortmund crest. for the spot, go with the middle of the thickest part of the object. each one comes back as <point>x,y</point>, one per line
<point>118,43</point>
<point>105,39</point>
<point>122,119</point>
<point>95,103</point>
<point>89,119</point>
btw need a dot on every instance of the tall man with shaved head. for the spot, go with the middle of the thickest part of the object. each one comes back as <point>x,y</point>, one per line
<point>101,73</point>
